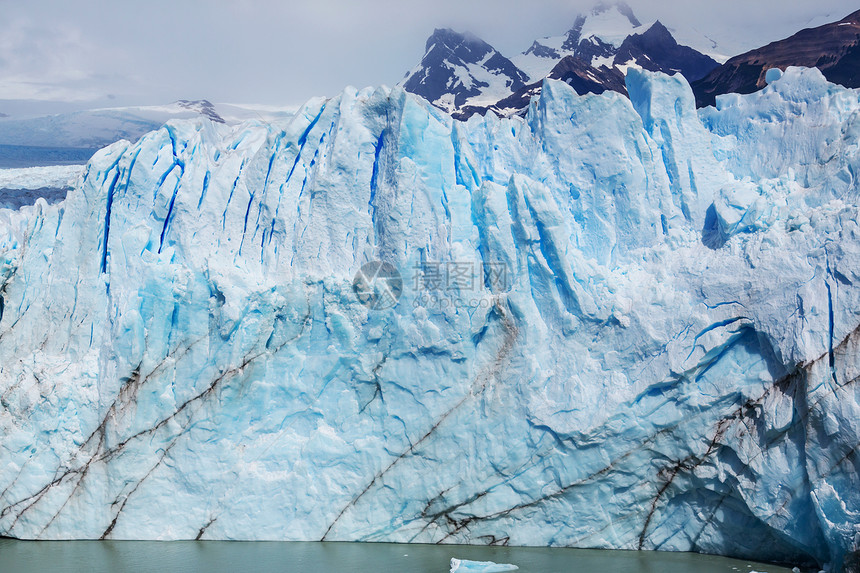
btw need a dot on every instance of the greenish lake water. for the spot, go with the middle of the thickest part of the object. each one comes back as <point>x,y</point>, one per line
<point>249,557</point>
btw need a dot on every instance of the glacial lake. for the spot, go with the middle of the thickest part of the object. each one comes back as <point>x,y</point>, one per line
<point>29,156</point>
<point>250,557</point>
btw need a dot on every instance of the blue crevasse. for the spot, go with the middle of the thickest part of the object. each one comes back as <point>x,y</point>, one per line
<point>669,363</point>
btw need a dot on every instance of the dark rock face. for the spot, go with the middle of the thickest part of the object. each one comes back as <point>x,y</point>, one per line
<point>845,70</point>
<point>591,48</point>
<point>203,107</point>
<point>542,51</point>
<point>833,48</point>
<point>588,79</point>
<point>581,76</point>
<point>656,50</point>
<point>447,50</point>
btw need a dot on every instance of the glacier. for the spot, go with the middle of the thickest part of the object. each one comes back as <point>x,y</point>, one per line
<point>55,177</point>
<point>671,364</point>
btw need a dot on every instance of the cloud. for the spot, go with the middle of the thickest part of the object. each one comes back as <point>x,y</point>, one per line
<point>283,52</point>
<point>48,62</point>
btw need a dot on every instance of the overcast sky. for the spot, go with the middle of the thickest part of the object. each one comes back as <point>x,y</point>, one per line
<point>283,52</point>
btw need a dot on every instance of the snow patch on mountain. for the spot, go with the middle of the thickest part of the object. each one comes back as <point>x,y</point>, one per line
<point>594,38</point>
<point>611,23</point>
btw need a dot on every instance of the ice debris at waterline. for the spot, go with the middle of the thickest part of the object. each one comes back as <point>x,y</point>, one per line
<point>466,566</point>
<point>665,356</point>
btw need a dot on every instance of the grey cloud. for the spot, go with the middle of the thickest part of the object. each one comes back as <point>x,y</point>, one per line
<point>265,51</point>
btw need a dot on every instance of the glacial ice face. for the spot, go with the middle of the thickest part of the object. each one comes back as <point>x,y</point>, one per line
<point>671,363</point>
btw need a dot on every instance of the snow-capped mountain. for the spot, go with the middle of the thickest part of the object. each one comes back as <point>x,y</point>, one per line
<point>594,38</point>
<point>579,75</point>
<point>461,69</point>
<point>656,50</point>
<point>463,75</point>
<point>833,48</point>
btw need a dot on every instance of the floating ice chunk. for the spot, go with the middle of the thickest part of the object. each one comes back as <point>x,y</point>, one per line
<point>464,565</point>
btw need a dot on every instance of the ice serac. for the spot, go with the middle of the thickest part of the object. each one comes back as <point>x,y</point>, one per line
<point>671,362</point>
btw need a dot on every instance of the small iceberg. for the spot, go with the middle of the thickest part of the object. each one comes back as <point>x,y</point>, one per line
<point>466,566</point>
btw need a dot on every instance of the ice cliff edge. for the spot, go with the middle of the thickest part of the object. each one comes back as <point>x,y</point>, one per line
<point>664,357</point>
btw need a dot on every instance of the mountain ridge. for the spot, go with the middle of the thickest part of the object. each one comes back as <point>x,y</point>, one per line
<point>463,75</point>
<point>833,48</point>
<point>458,68</point>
